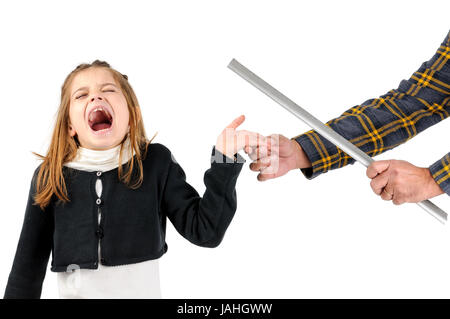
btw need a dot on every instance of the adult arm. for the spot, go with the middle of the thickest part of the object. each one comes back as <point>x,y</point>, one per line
<point>383,123</point>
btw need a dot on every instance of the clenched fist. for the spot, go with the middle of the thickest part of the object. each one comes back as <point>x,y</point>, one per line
<point>402,182</point>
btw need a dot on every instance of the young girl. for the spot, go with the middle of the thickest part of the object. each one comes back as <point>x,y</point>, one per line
<point>99,200</point>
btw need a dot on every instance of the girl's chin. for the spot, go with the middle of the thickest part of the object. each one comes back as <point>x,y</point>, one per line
<point>102,145</point>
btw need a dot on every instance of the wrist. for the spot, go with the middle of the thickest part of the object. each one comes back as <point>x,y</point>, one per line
<point>226,154</point>
<point>433,187</point>
<point>301,160</point>
<point>219,147</point>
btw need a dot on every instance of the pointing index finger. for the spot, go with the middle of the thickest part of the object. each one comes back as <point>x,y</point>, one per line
<point>236,122</point>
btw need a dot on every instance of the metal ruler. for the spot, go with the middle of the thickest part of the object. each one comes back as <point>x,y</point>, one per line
<point>321,128</point>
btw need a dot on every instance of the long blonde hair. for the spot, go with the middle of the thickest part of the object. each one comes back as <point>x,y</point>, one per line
<point>63,147</point>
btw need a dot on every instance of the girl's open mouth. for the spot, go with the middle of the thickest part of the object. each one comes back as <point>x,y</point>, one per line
<point>100,120</point>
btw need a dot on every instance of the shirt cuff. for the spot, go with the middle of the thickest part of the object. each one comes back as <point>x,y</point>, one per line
<point>322,154</point>
<point>218,157</point>
<point>440,171</point>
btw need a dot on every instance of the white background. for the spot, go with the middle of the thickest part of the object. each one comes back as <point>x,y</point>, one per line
<point>290,238</point>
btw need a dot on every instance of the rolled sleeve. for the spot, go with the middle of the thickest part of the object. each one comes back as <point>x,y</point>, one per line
<point>322,154</point>
<point>440,170</point>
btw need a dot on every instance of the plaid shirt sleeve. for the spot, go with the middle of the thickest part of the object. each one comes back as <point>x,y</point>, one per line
<point>383,123</point>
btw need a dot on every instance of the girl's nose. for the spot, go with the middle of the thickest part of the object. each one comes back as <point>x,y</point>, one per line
<point>99,97</point>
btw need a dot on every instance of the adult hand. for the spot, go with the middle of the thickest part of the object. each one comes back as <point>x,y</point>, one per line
<point>230,141</point>
<point>276,157</point>
<point>402,182</point>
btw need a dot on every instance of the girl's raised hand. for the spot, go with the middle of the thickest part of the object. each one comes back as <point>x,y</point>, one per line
<point>231,141</point>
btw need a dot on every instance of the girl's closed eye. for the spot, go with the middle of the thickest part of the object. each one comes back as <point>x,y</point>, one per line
<point>86,94</point>
<point>80,96</point>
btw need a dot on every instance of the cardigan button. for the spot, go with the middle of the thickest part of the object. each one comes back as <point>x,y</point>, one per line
<point>99,173</point>
<point>98,201</point>
<point>99,232</point>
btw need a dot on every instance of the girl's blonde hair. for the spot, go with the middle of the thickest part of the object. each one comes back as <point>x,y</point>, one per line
<point>63,147</point>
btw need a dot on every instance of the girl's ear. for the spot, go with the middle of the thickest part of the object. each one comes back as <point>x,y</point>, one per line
<point>72,131</point>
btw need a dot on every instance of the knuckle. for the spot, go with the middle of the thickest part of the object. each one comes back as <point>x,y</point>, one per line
<point>397,200</point>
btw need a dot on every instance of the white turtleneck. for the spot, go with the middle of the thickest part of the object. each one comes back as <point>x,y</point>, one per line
<point>139,280</point>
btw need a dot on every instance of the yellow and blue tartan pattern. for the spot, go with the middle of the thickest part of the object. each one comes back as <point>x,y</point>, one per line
<point>383,123</point>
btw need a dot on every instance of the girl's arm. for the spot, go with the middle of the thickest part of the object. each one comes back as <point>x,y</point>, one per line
<point>204,220</point>
<point>33,250</point>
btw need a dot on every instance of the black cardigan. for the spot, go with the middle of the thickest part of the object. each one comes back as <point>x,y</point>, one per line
<point>133,224</point>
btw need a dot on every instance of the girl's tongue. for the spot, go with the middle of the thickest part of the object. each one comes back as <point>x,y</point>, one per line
<point>99,121</point>
<point>101,126</point>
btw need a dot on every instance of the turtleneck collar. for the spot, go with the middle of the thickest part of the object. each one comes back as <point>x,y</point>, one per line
<point>103,160</point>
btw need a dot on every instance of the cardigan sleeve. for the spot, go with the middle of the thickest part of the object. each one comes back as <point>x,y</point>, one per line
<point>203,220</point>
<point>380,124</point>
<point>32,253</point>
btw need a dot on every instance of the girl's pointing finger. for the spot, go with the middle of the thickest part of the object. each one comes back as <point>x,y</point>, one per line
<point>236,122</point>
